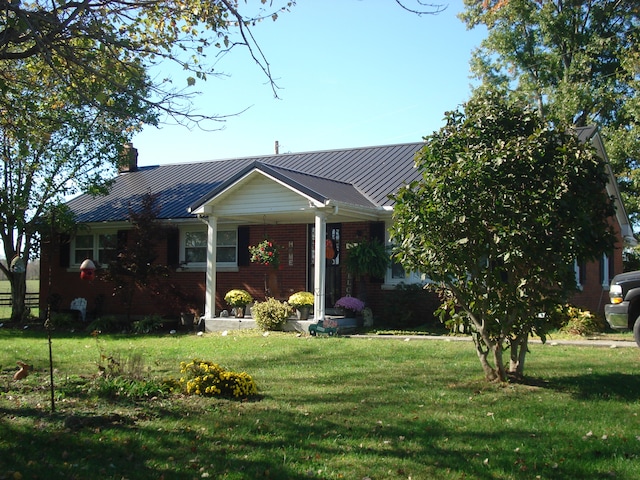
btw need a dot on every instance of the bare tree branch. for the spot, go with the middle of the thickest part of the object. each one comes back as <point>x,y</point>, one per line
<point>424,9</point>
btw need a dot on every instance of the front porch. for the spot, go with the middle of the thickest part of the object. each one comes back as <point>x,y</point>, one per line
<point>221,324</point>
<point>262,195</point>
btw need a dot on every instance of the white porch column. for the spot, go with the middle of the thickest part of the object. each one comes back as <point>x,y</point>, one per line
<point>320,270</point>
<point>210,285</point>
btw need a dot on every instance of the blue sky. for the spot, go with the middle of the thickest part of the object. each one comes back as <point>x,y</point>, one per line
<point>352,73</point>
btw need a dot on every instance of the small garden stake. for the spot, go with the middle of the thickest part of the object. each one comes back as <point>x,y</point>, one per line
<point>47,322</point>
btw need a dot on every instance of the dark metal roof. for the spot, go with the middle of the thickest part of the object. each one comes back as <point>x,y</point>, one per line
<point>586,133</point>
<point>317,188</point>
<point>360,176</point>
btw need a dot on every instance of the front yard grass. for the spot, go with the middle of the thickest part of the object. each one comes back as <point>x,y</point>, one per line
<point>329,408</point>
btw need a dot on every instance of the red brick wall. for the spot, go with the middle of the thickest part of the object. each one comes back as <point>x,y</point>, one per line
<point>594,296</point>
<point>253,277</point>
<point>185,287</point>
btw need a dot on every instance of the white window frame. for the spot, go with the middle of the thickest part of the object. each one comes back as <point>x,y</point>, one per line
<point>203,229</point>
<point>95,247</point>
<point>409,277</point>
<point>605,267</point>
<point>577,273</point>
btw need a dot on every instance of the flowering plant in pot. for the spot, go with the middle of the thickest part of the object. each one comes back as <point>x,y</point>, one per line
<point>301,299</point>
<point>302,302</point>
<point>238,298</point>
<point>350,304</point>
<point>265,253</point>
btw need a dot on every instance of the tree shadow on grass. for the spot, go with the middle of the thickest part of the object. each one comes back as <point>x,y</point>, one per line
<point>618,386</point>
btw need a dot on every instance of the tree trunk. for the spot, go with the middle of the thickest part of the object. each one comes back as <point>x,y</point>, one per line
<point>18,284</point>
<point>497,357</point>
<point>485,347</point>
<point>519,348</point>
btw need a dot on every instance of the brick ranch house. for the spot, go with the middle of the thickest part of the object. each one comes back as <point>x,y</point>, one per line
<point>213,211</point>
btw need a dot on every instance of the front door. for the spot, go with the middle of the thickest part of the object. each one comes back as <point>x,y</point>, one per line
<point>333,280</point>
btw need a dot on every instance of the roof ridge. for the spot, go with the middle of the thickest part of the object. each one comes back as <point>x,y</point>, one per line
<point>254,158</point>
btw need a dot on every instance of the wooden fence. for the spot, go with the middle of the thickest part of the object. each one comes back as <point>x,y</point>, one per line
<point>32,300</point>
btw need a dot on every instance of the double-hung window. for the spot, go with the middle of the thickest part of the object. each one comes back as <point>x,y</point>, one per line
<point>100,247</point>
<point>227,251</point>
<point>195,247</point>
<point>194,252</point>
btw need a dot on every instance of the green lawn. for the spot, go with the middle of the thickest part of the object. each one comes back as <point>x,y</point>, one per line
<point>33,286</point>
<point>329,408</point>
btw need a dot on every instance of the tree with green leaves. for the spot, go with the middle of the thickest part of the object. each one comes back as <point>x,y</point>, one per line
<point>135,269</point>
<point>55,145</point>
<point>505,205</point>
<point>73,39</point>
<point>75,86</point>
<point>575,61</point>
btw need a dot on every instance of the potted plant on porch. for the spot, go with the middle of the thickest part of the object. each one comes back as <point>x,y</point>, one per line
<point>238,299</point>
<point>351,306</point>
<point>302,302</point>
<point>267,253</point>
<point>366,257</point>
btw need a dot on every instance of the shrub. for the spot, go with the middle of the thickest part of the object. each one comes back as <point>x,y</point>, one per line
<point>63,320</point>
<point>148,324</point>
<point>205,378</point>
<point>107,323</point>
<point>131,388</point>
<point>580,322</point>
<point>409,305</point>
<point>271,314</point>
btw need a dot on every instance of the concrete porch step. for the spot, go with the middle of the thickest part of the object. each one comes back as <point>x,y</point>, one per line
<point>220,324</point>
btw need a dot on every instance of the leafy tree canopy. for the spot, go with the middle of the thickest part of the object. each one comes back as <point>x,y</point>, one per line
<point>75,87</point>
<point>74,40</point>
<point>505,206</point>
<point>575,61</point>
<point>56,144</point>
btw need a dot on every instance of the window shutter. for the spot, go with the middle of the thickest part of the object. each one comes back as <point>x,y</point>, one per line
<point>65,250</point>
<point>123,237</point>
<point>173,247</point>
<point>377,232</point>
<point>243,246</point>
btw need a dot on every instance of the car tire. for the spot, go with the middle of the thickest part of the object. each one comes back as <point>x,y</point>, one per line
<point>636,331</point>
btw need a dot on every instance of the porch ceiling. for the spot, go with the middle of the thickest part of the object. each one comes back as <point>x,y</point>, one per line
<point>304,216</point>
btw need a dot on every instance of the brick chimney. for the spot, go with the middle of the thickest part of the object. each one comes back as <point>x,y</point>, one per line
<point>129,159</point>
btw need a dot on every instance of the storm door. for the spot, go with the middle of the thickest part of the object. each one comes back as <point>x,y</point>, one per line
<point>333,280</point>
